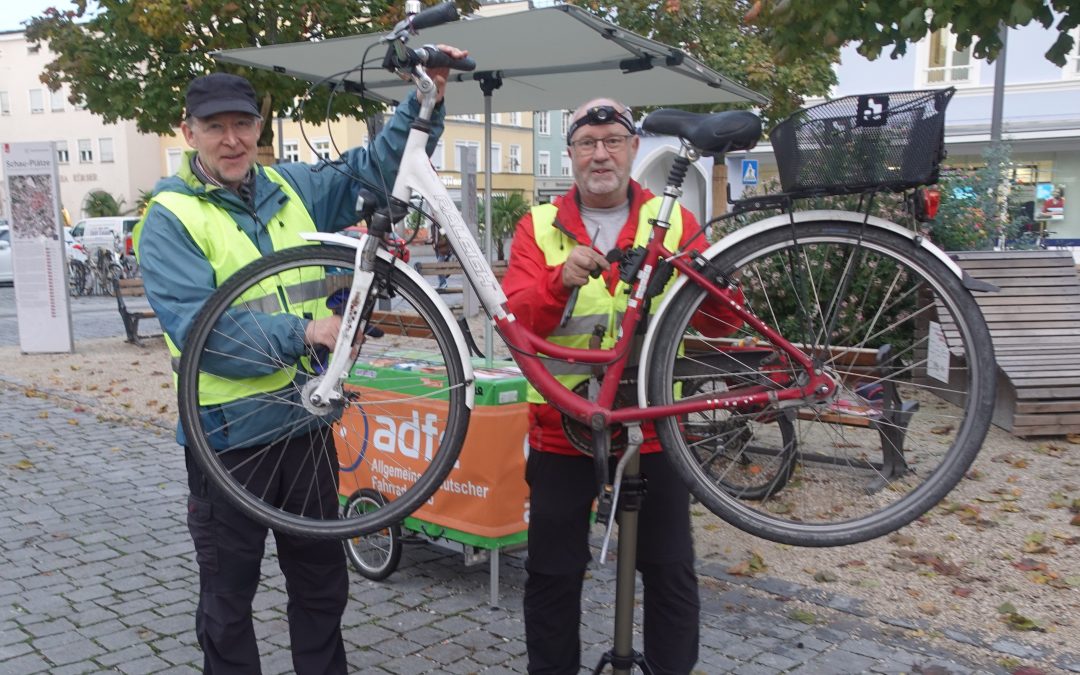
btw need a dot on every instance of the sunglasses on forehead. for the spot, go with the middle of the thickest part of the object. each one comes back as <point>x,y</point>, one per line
<point>603,114</point>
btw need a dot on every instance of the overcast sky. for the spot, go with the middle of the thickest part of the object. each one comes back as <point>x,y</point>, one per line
<point>13,12</point>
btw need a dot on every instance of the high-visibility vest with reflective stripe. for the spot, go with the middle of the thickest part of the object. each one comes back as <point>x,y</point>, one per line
<point>595,304</point>
<point>227,249</point>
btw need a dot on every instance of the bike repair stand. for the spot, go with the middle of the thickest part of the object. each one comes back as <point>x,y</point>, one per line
<point>629,493</point>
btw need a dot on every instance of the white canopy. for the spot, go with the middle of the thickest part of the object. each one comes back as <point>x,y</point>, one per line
<point>552,58</point>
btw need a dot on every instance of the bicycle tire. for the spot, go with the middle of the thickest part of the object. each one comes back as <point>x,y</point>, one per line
<point>426,403</point>
<point>853,291</point>
<point>77,280</point>
<point>376,555</point>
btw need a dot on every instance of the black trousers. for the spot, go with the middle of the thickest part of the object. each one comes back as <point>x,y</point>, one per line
<point>229,550</point>
<point>562,489</point>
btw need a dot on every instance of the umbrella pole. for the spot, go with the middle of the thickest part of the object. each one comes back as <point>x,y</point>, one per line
<point>488,83</point>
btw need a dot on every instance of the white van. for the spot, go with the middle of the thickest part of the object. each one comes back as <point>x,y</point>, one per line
<point>109,233</point>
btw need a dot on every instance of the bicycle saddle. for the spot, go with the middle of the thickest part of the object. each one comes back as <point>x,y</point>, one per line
<point>711,133</point>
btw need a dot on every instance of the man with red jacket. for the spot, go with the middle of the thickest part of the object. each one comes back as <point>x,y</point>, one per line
<point>556,247</point>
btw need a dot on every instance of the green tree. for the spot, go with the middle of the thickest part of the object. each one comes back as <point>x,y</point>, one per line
<point>715,32</point>
<point>802,27</point>
<point>506,211</point>
<point>132,59</point>
<point>968,218</point>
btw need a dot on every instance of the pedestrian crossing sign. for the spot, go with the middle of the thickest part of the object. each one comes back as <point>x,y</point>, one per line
<point>749,172</point>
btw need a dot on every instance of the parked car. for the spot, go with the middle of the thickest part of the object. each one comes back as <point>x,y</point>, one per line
<point>109,232</point>
<point>6,275</point>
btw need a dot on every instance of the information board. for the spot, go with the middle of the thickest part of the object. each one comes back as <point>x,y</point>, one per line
<point>32,189</point>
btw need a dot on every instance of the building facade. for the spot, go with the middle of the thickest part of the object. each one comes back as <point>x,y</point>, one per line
<point>92,156</point>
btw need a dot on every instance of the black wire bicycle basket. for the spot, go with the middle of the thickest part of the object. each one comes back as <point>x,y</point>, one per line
<point>888,141</point>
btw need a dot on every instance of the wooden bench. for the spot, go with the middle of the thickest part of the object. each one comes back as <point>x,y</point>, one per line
<point>452,267</point>
<point>1034,322</point>
<point>411,325</point>
<point>128,288</point>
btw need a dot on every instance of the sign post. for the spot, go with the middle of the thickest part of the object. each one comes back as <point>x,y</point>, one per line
<point>32,182</point>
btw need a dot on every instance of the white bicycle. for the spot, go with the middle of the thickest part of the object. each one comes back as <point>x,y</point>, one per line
<point>853,394</point>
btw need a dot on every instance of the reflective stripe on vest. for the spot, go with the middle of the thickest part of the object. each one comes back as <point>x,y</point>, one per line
<point>227,248</point>
<point>595,304</point>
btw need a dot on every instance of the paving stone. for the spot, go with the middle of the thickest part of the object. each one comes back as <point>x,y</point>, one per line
<point>97,573</point>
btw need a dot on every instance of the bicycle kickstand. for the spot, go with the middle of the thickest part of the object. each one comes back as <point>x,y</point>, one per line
<point>892,427</point>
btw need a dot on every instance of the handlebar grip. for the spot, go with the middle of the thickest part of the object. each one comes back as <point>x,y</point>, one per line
<point>433,16</point>
<point>433,57</point>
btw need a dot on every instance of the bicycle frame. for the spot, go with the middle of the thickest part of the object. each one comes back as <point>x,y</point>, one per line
<point>416,174</point>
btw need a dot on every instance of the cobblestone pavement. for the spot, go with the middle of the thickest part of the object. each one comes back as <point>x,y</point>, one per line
<point>97,574</point>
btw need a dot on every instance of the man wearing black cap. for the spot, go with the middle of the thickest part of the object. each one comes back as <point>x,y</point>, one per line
<point>220,211</point>
<point>556,248</point>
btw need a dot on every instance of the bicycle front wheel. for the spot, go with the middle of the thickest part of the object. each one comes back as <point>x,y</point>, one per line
<point>898,332</point>
<point>396,430</point>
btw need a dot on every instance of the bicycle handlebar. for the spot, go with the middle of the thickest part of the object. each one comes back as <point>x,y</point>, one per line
<point>432,57</point>
<point>432,16</point>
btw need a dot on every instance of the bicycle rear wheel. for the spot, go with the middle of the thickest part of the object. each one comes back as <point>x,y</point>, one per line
<point>899,332</point>
<point>398,429</point>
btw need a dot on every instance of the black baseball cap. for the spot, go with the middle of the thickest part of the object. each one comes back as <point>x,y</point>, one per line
<point>220,92</point>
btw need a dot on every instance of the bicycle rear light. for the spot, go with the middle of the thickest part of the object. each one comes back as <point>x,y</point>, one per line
<point>926,202</point>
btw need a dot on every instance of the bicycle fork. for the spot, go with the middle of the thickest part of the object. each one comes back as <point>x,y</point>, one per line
<point>327,391</point>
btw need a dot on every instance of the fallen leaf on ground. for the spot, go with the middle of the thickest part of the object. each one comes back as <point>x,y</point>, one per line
<point>929,608</point>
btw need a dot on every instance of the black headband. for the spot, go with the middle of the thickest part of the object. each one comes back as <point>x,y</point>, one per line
<point>603,114</point>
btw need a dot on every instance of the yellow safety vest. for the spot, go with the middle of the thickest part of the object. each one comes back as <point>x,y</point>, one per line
<point>228,249</point>
<point>595,304</point>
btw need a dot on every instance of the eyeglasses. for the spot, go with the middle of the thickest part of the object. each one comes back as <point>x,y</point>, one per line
<point>244,126</point>
<point>613,144</point>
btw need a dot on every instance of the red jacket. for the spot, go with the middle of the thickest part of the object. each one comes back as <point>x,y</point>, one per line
<point>537,297</point>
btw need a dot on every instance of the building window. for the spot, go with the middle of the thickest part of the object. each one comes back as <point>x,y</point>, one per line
<point>62,154</point>
<point>290,151</point>
<point>173,157</point>
<point>105,147</point>
<point>438,158</point>
<point>515,159</point>
<point>37,102</point>
<point>5,106</point>
<point>543,163</point>
<point>86,151</point>
<point>542,123</point>
<point>56,101</point>
<point>564,164</point>
<point>565,122</point>
<point>945,63</point>
<point>459,156</point>
<point>320,150</point>
<point>496,158</point>
<point>515,119</point>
